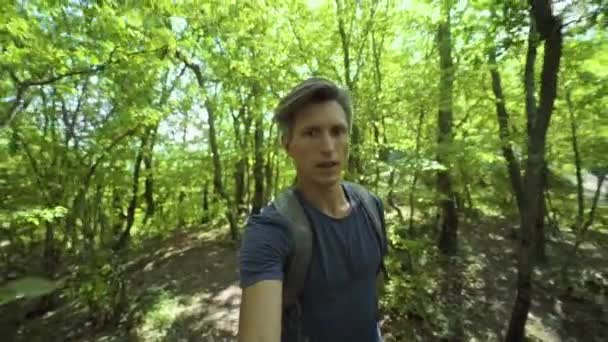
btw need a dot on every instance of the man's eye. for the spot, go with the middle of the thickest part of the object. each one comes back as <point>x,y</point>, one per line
<point>338,131</point>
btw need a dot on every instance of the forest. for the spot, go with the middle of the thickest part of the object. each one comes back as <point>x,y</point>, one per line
<point>136,139</point>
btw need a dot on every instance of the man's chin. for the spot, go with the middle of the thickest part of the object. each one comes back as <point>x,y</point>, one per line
<point>328,181</point>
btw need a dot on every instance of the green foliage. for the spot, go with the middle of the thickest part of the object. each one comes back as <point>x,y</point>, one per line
<point>26,288</point>
<point>92,90</point>
<point>101,286</point>
<point>414,283</point>
<point>33,216</point>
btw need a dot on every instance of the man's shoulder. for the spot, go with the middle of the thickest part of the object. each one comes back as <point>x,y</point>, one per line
<point>362,190</point>
<point>268,217</point>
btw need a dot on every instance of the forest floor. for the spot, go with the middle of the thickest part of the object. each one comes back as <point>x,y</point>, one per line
<point>187,290</point>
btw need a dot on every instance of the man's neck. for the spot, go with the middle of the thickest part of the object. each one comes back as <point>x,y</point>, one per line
<point>329,200</point>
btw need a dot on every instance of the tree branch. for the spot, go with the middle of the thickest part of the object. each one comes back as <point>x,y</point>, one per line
<point>34,164</point>
<point>105,152</point>
<point>368,28</point>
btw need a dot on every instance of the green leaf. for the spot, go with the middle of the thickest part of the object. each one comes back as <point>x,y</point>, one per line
<point>27,287</point>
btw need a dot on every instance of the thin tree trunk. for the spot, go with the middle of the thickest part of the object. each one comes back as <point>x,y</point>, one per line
<point>205,216</point>
<point>376,54</point>
<point>448,239</point>
<point>549,28</point>
<point>540,255</point>
<point>240,166</point>
<point>354,163</point>
<point>258,167</point>
<point>277,184</point>
<point>581,237</point>
<point>149,182</point>
<point>218,185</point>
<point>239,184</point>
<point>505,137</point>
<point>50,256</point>
<point>270,159</point>
<point>416,170</point>
<point>577,163</point>
<point>181,222</point>
<point>391,196</point>
<point>467,192</point>
<point>126,234</point>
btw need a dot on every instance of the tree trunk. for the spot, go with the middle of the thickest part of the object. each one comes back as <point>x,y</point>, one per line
<point>258,166</point>
<point>549,28</point>
<point>180,209</point>
<point>531,108</point>
<point>270,159</point>
<point>149,182</point>
<point>126,234</point>
<point>505,137</point>
<point>276,184</point>
<point>50,257</point>
<point>577,163</point>
<point>377,47</point>
<point>354,166</point>
<point>416,170</point>
<point>205,216</point>
<point>540,255</point>
<point>391,195</point>
<point>467,192</point>
<point>239,184</point>
<point>598,190</point>
<point>448,239</point>
<point>240,166</point>
<point>218,185</point>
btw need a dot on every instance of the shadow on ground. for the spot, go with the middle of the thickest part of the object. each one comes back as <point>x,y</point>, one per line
<point>184,289</point>
<point>490,261</point>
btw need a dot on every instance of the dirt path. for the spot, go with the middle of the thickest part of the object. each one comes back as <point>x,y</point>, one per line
<point>488,292</point>
<point>186,289</point>
<point>191,290</point>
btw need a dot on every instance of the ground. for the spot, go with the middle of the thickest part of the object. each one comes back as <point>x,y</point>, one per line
<point>186,288</point>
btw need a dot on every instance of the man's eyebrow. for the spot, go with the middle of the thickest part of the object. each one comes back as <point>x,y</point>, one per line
<point>311,126</point>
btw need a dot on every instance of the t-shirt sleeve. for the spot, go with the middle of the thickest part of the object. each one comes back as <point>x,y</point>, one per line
<point>264,250</point>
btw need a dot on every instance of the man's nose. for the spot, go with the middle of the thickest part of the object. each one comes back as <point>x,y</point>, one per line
<point>328,142</point>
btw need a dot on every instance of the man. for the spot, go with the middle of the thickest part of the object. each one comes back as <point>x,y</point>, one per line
<point>339,300</point>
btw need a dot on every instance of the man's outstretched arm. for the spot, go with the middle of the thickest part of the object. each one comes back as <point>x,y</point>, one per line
<point>260,312</point>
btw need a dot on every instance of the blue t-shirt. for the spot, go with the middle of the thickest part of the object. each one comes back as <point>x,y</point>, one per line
<point>339,300</point>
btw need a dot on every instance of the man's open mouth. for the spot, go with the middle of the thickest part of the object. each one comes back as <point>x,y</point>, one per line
<point>327,164</point>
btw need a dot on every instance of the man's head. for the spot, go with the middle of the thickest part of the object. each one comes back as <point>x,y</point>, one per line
<point>315,119</point>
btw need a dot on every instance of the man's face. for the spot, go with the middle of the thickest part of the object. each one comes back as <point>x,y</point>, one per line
<point>319,143</point>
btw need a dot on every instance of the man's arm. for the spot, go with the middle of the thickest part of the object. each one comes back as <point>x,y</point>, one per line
<point>264,249</point>
<point>260,312</point>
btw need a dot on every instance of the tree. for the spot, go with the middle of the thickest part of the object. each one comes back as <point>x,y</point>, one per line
<point>549,28</point>
<point>448,238</point>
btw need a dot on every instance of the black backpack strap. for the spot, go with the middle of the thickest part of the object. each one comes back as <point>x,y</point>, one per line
<point>369,204</point>
<point>288,205</point>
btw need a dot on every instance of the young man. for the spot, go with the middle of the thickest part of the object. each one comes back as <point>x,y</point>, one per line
<point>339,300</point>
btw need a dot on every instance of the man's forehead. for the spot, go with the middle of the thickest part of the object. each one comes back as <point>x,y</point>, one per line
<point>321,113</point>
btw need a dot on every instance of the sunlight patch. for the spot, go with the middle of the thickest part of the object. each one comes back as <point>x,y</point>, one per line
<point>160,318</point>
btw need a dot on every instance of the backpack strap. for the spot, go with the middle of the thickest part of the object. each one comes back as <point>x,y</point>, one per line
<point>288,205</point>
<point>370,207</point>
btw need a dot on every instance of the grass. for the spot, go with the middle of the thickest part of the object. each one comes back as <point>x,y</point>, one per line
<point>160,317</point>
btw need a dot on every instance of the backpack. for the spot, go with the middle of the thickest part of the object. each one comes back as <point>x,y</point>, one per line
<point>288,205</point>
